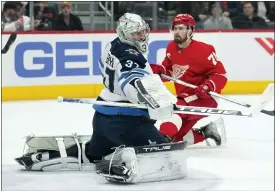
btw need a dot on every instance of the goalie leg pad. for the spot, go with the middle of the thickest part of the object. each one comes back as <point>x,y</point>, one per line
<point>157,162</point>
<point>163,162</point>
<point>55,153</point>
<point>58,164</point>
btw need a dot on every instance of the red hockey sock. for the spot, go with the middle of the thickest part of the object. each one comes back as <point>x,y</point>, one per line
<point>187,125</point>
<point>198,137</point>
<point>185,128</point>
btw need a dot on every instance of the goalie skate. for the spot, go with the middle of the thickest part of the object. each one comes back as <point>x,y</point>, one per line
<point>120,166</point>
<point>119,174</point>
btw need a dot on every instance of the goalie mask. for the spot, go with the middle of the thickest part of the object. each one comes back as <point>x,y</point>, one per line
<point>133,30</point>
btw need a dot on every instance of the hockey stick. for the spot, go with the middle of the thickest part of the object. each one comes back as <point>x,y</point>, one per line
<point>268,94</point>
<point>177,109</point>
<point>9,43</point>
<point>263,100</point>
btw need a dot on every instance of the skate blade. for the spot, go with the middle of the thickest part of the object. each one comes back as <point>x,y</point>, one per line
<point>222,131</point>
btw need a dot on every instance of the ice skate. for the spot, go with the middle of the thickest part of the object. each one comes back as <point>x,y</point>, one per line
<point>29,159</point>
<point>215,131</point>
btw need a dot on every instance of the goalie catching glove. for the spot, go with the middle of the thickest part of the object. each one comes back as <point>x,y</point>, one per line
<point>152,92</point>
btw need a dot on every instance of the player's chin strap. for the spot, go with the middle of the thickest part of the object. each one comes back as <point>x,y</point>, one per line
<point>265,98</point>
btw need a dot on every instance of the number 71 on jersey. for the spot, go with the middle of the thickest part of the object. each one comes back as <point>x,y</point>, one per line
<point>213,57</point>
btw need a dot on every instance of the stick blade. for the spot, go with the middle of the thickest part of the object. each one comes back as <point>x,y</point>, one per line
<point>263,100</point>
<point>12,37</point>
<point>10,41</point>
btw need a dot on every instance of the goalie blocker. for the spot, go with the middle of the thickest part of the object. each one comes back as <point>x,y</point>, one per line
<point>155,162</point>
<point>153,93</point>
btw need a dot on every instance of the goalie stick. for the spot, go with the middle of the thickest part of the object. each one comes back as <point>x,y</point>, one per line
<point>10,41</point>
<point>268,94</point>
<point>177,109</point>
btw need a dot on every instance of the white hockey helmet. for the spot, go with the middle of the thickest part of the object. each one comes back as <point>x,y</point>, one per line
<point>131,26</point>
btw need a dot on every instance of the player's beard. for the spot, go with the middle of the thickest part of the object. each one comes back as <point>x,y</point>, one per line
<point>179,40</point>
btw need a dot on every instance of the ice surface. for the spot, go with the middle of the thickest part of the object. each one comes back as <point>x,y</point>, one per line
<point>245,163</point>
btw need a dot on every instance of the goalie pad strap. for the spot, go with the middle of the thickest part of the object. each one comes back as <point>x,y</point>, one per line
<point>62,150</point>
<point>84,158</point>
<point>79,151</point>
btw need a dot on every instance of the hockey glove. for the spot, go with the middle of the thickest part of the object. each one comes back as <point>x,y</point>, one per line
<point>153,93</point>
<point>158,69</point>
<point>203,89</point>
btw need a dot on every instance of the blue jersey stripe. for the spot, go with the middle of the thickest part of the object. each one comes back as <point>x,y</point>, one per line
<point>128,80</point>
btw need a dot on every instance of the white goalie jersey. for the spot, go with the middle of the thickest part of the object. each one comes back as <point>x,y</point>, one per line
<point>121,65</point>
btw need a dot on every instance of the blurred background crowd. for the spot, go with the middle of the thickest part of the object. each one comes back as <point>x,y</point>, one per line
<point>77,15</point>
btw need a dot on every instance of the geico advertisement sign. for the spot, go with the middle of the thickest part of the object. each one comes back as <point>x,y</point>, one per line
<point>73,58</point>
<point>55,54</point>
<point>61,59</point>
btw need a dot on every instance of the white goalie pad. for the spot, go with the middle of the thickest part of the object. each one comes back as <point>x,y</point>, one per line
<point>34,144</point>
<point>155,163</point>
<point>162,166</point>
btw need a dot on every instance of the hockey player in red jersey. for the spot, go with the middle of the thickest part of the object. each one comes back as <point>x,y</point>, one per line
<point>196,63</point>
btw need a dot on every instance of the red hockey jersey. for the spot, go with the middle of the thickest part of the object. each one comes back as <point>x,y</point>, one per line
<point>194,64</point>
